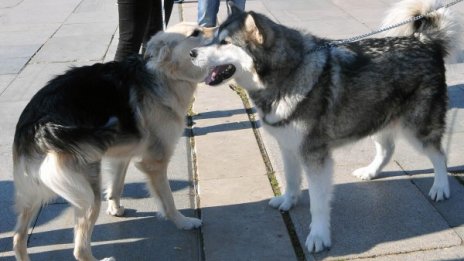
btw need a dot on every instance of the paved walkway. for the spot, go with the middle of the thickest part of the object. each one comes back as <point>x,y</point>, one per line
<point>229,157</point>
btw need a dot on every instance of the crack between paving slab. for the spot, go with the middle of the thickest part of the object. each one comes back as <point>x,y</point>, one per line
<point>269,11</point>
<point>195,178</point>
<point>109,44</point>
<point>297,248</point>
<point>13,6</point>
<point>356,19</point>
<point>194,165</point>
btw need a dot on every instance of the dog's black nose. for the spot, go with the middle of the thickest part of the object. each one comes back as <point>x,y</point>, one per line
<point>193,53</point>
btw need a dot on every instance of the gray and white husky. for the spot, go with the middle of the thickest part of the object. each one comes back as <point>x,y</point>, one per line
<point>313,99</point>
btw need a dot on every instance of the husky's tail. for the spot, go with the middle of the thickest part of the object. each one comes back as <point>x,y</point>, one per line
<point>442,26</point>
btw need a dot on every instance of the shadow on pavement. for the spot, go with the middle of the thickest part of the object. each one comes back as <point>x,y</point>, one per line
<point>456,96</point>
<point>365,215</point>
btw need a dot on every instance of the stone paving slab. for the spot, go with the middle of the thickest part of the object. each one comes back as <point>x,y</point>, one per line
<point>18,50</point>
<point>245,232</point>
<point>369,13</point>
<point>39,12</point>
<point>91,11</point>
<point>26,35</point>
<point>12,65</point>
<point>9,113</point>
<point>233,193</point>
<point>74,48</point>
<point>34,77</point>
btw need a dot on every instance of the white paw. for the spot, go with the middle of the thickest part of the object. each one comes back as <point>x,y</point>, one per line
<point>188,223</point>
<point>365,173</point>
<point>283,202</point>
<point>318,240</point>
<point>439,193</point>
<point>115,211</point>
<point>108,259</point>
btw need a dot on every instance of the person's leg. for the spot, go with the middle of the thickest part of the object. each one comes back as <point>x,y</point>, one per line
<point>133,17</point>
<point>207,12</point>
<point>156,18</point>
<point>239,3</point>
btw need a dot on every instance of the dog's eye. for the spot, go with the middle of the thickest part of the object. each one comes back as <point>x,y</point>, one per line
<point>224,42</point>
<point>195,33</point>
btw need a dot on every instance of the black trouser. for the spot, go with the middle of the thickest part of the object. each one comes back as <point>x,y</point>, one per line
<point>138,21</point>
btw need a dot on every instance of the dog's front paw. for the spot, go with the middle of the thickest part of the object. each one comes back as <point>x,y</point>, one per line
<point>283,202</point>
<point>318,239</point>
<point>365,173</point>
<point>187,223</point>
<point>439,192</point>
<point>114,210</point>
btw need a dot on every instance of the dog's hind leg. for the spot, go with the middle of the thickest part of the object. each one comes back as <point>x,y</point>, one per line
<point>78,183</point>
<point>440,189</point>
<point>156,171</point>
<point>292,171</point>
<point>25,216</point>
<point>117,170</point>
<point>384,147</point>
<point>86,214</point>
<point>319,170</point>
<point>424,126</point>
<point>431,147</point>
<point>30,194</point>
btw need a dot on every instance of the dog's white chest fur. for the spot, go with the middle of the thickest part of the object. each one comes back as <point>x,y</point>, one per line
<point>289,136</point>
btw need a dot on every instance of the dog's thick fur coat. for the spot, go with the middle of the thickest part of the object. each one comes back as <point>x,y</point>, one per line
<point>114,111</point>
<point>314,101</point>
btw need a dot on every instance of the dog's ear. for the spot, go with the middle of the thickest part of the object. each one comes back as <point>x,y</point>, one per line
<point>253,30</point>
<point>232,9</point>
<point>257,32</point>
<point>164,54</point>
<point>159,52</point>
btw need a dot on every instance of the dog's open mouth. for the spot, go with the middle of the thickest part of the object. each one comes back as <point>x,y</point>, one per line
<point>219,73</point>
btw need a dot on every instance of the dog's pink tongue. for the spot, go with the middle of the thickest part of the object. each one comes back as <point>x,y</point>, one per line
<point>211,76</point>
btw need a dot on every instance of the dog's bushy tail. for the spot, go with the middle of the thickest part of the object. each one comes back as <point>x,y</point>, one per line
<point>442,26</point>
<point>84,144</point>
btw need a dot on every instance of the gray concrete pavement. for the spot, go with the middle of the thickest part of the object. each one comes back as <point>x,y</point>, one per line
<point>389,218</point>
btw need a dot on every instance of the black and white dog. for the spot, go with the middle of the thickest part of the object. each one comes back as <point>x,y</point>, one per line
<point>116,111</point>
<point>313,99</point>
